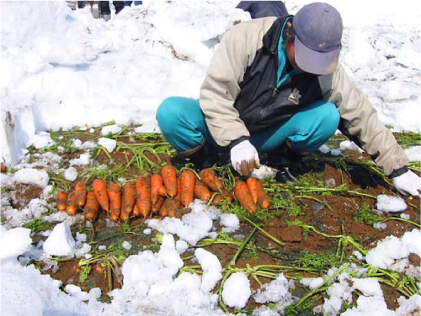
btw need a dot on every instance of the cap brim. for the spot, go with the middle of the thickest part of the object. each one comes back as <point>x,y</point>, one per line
<point>314,62</point>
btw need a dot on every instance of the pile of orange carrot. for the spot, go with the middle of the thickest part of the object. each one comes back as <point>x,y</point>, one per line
<point>161,194</point>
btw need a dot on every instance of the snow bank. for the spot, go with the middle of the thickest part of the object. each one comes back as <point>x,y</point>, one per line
<point>62,68</point>
<point>13,243</point>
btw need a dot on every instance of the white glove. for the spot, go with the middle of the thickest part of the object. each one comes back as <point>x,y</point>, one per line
<point>244,158</point>
<point>408,183</point>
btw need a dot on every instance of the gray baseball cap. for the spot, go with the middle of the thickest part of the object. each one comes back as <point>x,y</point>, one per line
<point>318,32</point>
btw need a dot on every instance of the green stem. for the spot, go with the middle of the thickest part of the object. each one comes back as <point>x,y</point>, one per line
<point>323,286</point>
<point>401,220</point>
<point>243,245</point>
<point>264,232</point>
<point>315,199</point>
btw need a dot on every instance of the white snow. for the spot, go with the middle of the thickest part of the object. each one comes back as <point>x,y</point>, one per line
<point>413,153</point>
<point>84,159</point>
<point>276,291</point>
<point>368,286</point>
<point>32,176</point>
<point>390,204</point>
<point>60,242</point>
<point>211,269</point>
<point>312,283</point>
<point>350,145</point>
<point>77,292</point>
<point>191,227</point>
<point>230,222</point>
<point>40,140</point>
<point>236,290</point>
<point>392,252</point>
<point>13,243</point>
<point>70,174</point>
<point>110,129</point>
<point>107,143</point>
<point>126,245</point>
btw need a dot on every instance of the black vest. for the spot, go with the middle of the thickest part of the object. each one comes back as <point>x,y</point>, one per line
<point>260,103</point>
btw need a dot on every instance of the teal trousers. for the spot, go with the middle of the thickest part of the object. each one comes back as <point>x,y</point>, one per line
<point>183,124</point>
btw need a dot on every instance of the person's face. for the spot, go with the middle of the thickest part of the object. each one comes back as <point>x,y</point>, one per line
<point>289,49</point>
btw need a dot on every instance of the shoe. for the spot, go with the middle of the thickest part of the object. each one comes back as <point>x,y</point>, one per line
<point>283,156</point>
<point>205,157</point>
<point>284,176</point>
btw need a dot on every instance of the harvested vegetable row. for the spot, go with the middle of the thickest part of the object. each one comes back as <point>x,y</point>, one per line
<point>258,193</point>
<point>169,176</point>
<point>243,195</point>
<point>114,194</point>
<point>80,192</point>
<point>201,191</point>
<point>100,190</point>
<point>157,188</point>
<point>188,181</point>
<point>61,201</point>
<point>71,204</point>
<point>91,207</point>
<point>143,190</point>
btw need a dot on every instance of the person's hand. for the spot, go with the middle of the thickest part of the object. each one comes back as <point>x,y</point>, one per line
<point>244,158</point>
<point>408,183</point>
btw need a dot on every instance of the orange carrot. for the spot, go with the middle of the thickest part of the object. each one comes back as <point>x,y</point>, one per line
<point>264,202</point>
<point>242,193</point>
<point>3,167</point>
<point>201,191</point>
<point>136,210</point>
<point>71,204</point>
<point>100,190</point>
<point>114,194</point>
<point>61,200</point>
<point>143,190</point>
<point>258,193</point>
<point>124,216</point>
<point>129,198</point>
<point>80,191</point>
<point>177,198</point>
<point>157,187</point>
<point>157,206</point>
<point>91,207</point>
<point>227,195</point>
<point>168,208</point>
<point>217,199</point>
<point>254,186</point>
<point>169,175</point>
<point>188,180</point>
<point>211,180</point>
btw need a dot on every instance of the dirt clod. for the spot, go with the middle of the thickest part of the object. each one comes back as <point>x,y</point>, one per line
<point>292,234</point>
<point>414,259</point>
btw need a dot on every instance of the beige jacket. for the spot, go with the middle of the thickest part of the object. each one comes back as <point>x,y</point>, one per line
<point>221,87</point>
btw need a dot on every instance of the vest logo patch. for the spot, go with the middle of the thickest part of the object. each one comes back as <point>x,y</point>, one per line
<point>295,96</point>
